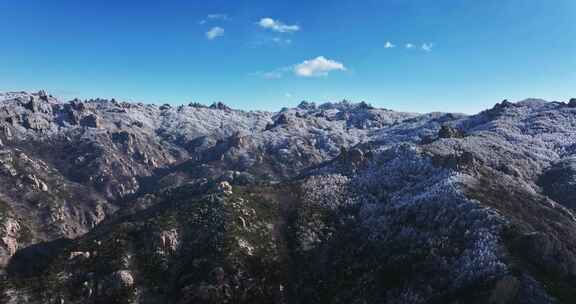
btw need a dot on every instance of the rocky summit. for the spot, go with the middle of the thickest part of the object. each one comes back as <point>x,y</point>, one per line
<point>103,201</point>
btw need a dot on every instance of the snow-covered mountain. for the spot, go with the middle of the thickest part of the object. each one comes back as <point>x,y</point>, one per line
<point>113,202</point>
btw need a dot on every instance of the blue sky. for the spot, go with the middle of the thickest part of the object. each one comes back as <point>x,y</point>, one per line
<point>466,55</point>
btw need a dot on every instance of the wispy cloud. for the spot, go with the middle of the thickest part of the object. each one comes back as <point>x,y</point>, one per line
<point>317,67</point>
<point>213,17</point>
<point>275,74</point>
<point>214,33</point>
<point>277,26</point>
<point>269,41</point>
<point>281,41</point>
<point>218,16</point>
<point>427,47</point>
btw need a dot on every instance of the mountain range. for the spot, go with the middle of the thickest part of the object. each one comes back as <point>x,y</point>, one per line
<point>103,201</point>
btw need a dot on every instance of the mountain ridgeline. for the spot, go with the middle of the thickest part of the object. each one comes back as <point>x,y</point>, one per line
<point>114,202</point>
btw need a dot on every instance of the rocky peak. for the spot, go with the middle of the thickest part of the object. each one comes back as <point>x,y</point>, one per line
<point>305,105</point>
<point>220,106</point>
<point>500,107</point>
<point>43,95</point>
<point>197,105</point>
<point>364,106</point>
<point>504,104</point>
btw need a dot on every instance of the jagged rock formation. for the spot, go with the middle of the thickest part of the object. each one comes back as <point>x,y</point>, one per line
<point>111,202</point>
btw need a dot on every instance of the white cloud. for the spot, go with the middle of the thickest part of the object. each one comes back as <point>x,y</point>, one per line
<point>427,47</point>
<point>319,66</point>
<point>214,33</point>
<point>277,26</point>
<point>389,45</point>
<point>409,45</point>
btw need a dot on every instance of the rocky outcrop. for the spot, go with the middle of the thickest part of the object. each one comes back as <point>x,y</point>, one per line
<point>306,105</point>
<point>35,122</point>
<point>282,119</point>
<point>35,182</point>
<point>120,280</point>
<point>352,157</point>
<point>225,187</point>
<point>220,106</point>
<point>449,132</point>
<point>9,234</point>
<point>90,121</point>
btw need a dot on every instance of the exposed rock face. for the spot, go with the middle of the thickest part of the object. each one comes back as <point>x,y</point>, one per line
<point>35,122</point>
<point>35,182</point>
<point>352,158</point>
<point>169,241</point>
<point>9,235</point>
<point>281,120</point>
<point>90,121</point>
<point>79,255</point>
<point>111,202</point>
<point>121,279</point>
<point>449,132</point>
<point>225,187</point>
